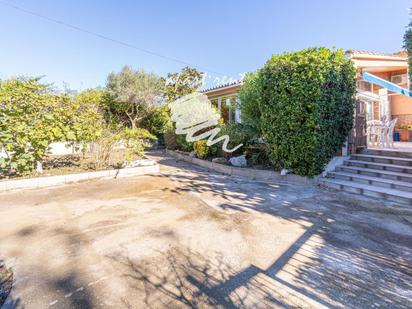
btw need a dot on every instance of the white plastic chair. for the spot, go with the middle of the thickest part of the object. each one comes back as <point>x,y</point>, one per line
<point>374,134</point>
<point>389,132</point>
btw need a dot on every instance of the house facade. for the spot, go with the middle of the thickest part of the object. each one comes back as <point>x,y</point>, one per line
<point>378,101</point>
<point>226,98</point>
<point>373,101</point>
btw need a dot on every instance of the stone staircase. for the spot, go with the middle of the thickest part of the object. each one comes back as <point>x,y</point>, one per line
<point>383,174</point>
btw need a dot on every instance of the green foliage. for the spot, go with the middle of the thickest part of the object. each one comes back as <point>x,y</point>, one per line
<point>29,122</point>
<point>136,140</point>
<point>202,150</point>
<point>307,102</point>
<point>158,121</point>
<point>238,134</point>
<point>182,144</point>
<point>249,96</point>
<point>257,155</point>
<point>133,140</point>
<point>134,94</point>
<point>407,41</point>
<point>185,82</point>
<point>32,117</point>
<point>87,115</point>
<point>170,138</point>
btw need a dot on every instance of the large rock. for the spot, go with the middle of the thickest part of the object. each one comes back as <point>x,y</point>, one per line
<point>239,161</point>
<point>220,160</point>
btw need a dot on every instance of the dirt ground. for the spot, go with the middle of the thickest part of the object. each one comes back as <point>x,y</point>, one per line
<point>187,237</point>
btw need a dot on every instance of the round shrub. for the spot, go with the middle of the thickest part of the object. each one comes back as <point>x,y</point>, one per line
<point>306,102</point>
<point>202,150</point>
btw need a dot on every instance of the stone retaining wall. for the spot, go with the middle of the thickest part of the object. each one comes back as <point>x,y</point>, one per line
<point>238,171</point>
<point>40,182</point>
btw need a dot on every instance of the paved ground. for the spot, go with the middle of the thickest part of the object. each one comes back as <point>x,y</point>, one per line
<point>190,238</point>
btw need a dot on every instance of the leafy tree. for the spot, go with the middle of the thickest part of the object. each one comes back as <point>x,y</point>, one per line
<point>158,121</point>
<point>407,40</point>
<point>86,115</point>
<point>30,120</point>
<point>134,94</point>
<point>187,81</point>
<point>32,117</point>
<point>307,102</point>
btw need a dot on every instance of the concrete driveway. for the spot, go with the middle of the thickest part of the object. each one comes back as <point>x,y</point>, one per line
<point>190,238</point>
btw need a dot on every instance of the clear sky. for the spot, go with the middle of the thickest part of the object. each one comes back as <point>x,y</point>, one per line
<point>227,36</point>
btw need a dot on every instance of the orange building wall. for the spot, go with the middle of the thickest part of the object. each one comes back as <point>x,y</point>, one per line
<point>401,108</point>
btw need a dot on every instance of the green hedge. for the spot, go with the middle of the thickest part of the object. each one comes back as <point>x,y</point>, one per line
<point>407,41</point>
<point>307,100</point>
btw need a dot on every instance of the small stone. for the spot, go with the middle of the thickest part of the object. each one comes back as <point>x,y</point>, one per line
<point>239,161</point>
<point>284,172</point>
<point>220,160</point>
<point>192,154</point>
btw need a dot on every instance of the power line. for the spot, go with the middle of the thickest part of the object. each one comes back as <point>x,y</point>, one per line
<point>104,37</point>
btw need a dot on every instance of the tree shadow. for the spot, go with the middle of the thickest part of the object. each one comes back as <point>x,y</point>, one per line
<point>6,283</point>
<point>66,289</point>
<point>346,257</point>
<point>183,278</point>
<point>349,256</point>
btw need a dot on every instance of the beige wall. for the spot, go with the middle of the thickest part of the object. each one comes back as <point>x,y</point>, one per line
<point>401,108</point>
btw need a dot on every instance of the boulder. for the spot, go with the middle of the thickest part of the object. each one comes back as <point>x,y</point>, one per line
<point>239,161</point>
<point>284,171</point>
<point>220,160</point>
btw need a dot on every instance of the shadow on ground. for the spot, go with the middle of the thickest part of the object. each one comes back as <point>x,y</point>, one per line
<point>345,257</point>
<point>67,288</point>
<point>349,257</point>
<point>6,282</point>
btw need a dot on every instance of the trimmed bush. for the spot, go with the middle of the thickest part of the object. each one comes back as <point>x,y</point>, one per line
<point>202,150</point>
<point>306,102</point>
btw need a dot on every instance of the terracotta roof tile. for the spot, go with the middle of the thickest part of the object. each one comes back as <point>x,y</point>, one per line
<point>365,52</point>
<point>232,83</point>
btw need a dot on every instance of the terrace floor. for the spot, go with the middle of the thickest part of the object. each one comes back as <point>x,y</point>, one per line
<point>187,237</point>
<point>398,147</point>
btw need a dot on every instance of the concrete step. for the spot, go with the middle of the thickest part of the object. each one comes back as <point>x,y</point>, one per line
<point>388,152</point>
<point>375,173</point>
<point>371,180</point>
<point>368,190</point>
<point>379,166</point>
<point>382,159</point>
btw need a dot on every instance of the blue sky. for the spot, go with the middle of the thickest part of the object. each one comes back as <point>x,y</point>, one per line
<point>228,37</point>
